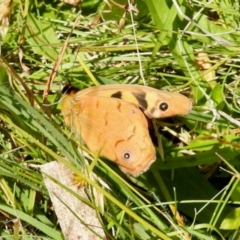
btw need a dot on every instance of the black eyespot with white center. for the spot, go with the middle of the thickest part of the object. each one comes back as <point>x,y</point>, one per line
<point>163,106</point>
<point>127,155</point>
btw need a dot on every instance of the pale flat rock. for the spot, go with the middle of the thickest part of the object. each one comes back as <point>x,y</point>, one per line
<point>72,227</point>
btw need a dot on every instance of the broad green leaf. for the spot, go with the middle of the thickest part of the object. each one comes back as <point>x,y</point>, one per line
<point>207,157</point>
<point>42,38</point>
<point>217,96</point>
<point>232,220</point>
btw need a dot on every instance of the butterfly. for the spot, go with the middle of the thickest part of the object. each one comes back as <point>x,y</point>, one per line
<point>112,120</point>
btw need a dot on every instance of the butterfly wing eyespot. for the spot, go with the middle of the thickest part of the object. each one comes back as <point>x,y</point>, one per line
<point>163,106</point>
<point>133,111</point>
<point>127,155</point>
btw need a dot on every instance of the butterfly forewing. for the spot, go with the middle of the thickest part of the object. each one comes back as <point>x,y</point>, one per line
<point>155,103</point>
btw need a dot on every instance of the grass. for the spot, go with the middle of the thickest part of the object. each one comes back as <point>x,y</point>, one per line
<point>191,47</point>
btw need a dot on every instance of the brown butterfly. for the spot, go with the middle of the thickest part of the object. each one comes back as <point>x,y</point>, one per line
<point>110,120</point>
